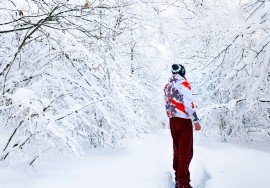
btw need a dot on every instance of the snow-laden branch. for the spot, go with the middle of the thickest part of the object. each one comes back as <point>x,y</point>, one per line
<point>76,109</point>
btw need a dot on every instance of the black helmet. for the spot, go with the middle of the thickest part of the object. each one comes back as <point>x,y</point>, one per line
<point>178,69</point>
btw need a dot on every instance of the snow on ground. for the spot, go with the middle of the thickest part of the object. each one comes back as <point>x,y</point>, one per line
<point>145,165</point>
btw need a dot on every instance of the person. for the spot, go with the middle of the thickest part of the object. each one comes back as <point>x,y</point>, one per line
<point>180,109</point>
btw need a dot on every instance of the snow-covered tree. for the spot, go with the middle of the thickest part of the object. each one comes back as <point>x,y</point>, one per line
<point>235,78</point>
<point>70,73</point>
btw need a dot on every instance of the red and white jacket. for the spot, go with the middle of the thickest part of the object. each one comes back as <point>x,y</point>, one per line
<point>178,99</point>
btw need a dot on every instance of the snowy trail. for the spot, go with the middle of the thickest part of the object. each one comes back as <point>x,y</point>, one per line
<point>146,165</point>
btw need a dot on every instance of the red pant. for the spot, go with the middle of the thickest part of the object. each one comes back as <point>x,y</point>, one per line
<point>182,135</point>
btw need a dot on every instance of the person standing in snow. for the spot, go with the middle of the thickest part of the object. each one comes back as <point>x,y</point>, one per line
<point>180,109</point>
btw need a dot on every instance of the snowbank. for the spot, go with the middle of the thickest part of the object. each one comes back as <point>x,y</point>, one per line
<point>145,165</point>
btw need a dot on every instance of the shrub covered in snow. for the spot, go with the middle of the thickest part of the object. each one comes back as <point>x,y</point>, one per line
<point>71,73</point>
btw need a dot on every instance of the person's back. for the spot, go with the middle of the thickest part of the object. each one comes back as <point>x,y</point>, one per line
<point>180,109</point>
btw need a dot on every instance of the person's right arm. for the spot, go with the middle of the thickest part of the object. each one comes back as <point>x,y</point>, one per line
<point>189,104</point>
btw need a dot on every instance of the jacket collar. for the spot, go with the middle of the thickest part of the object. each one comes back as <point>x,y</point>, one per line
<point>178,77</point>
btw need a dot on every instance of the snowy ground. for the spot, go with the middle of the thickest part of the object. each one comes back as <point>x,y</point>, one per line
<point>146,165</point>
